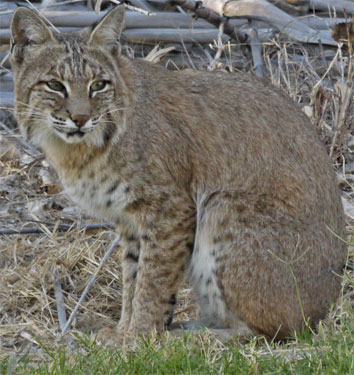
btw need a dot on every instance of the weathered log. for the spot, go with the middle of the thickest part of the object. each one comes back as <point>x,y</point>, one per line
<point>317,23</point>
<point>212,18</point>
<point>152,35</point>
<point>142,4</point>
<point>263,11</point>
<point>6,85</point>
<point>77,5</point>
<point>293,7</point>
<point>220,6</point>
<point>134,20</point>
<point>256,50</point>
<point>340,6</point>
<point>5,33</point>
<point>172,35</point>
<point>7,99</point>
<point>187,35</point>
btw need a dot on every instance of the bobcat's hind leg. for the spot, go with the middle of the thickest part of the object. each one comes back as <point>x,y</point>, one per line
<point>242,332</point>
<point>206,266</point>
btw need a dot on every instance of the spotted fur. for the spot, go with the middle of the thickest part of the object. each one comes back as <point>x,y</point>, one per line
<point>217,176</point>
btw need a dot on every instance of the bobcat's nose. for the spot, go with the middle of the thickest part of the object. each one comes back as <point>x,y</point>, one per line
<point>80,120</point>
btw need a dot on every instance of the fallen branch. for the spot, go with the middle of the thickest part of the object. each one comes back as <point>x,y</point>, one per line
<point>87,289</point>
<point>261,10</point>
<point>136,8</point>
<point>133,20</point>
<point>59,298</point>
<point>142,4</point>
<point>340,6</point>
<point>212,18</point>
<point>320,23</point>
<point>28,146</point>
<point>256,50</point>
<point>220,45</point>
<point>165,35</point>
<point>172,35</point>
<point>293,7</point>
<point>7,99</point>
<point>5,33</point>
<point>58,228</point>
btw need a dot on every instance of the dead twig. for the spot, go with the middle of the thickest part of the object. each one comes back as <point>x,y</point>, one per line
<point>59,298</point>
<point>256,49</point>
<point>220,45</point>
<point>58,228</point>
<point>24,143</point>
<point>130,7</point>
<point>90,283</point>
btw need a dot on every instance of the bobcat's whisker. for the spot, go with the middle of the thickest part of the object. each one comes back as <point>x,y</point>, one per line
<point>115,110</point>
<point>28,112</point>
<point>27,105</point>
<point>29,116</point>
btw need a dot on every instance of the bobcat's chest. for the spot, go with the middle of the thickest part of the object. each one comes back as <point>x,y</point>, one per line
<point>103,196</point>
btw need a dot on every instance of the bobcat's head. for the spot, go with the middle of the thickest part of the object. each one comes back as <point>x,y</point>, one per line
<point>67,85</point>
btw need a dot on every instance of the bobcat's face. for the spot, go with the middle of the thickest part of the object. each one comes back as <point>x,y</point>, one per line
<point>67,85</point>
<point>74,98</point>
<point>75,106</point>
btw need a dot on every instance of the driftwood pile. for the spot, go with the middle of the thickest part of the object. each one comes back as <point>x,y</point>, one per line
<point>191,28</point>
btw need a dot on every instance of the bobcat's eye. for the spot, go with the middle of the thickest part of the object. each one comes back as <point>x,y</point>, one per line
<point>55,85</point>
<point>98,85</point>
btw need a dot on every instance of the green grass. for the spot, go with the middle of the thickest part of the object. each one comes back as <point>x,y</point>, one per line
<point>330,351</point>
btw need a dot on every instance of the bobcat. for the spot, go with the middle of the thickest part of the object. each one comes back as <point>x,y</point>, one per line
<point>216,176</point>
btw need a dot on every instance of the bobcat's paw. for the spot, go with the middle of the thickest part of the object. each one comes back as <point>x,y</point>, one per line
<point>111,338</point>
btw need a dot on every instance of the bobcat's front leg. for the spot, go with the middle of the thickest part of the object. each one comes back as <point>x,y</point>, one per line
<point>165,249</point>
<point>130,243</point>
<point>130,257</point>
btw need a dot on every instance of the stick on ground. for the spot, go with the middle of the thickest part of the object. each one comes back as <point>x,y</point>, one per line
<point>90,283</point>
<point>59,298</point>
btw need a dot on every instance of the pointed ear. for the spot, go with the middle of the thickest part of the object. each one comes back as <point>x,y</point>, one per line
<point>27,27</point>
<point>108,31</point>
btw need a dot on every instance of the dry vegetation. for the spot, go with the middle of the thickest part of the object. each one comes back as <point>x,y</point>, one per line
<point>37,267</point>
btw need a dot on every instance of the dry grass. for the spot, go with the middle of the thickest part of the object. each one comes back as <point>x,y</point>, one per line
<point>32,264</point>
